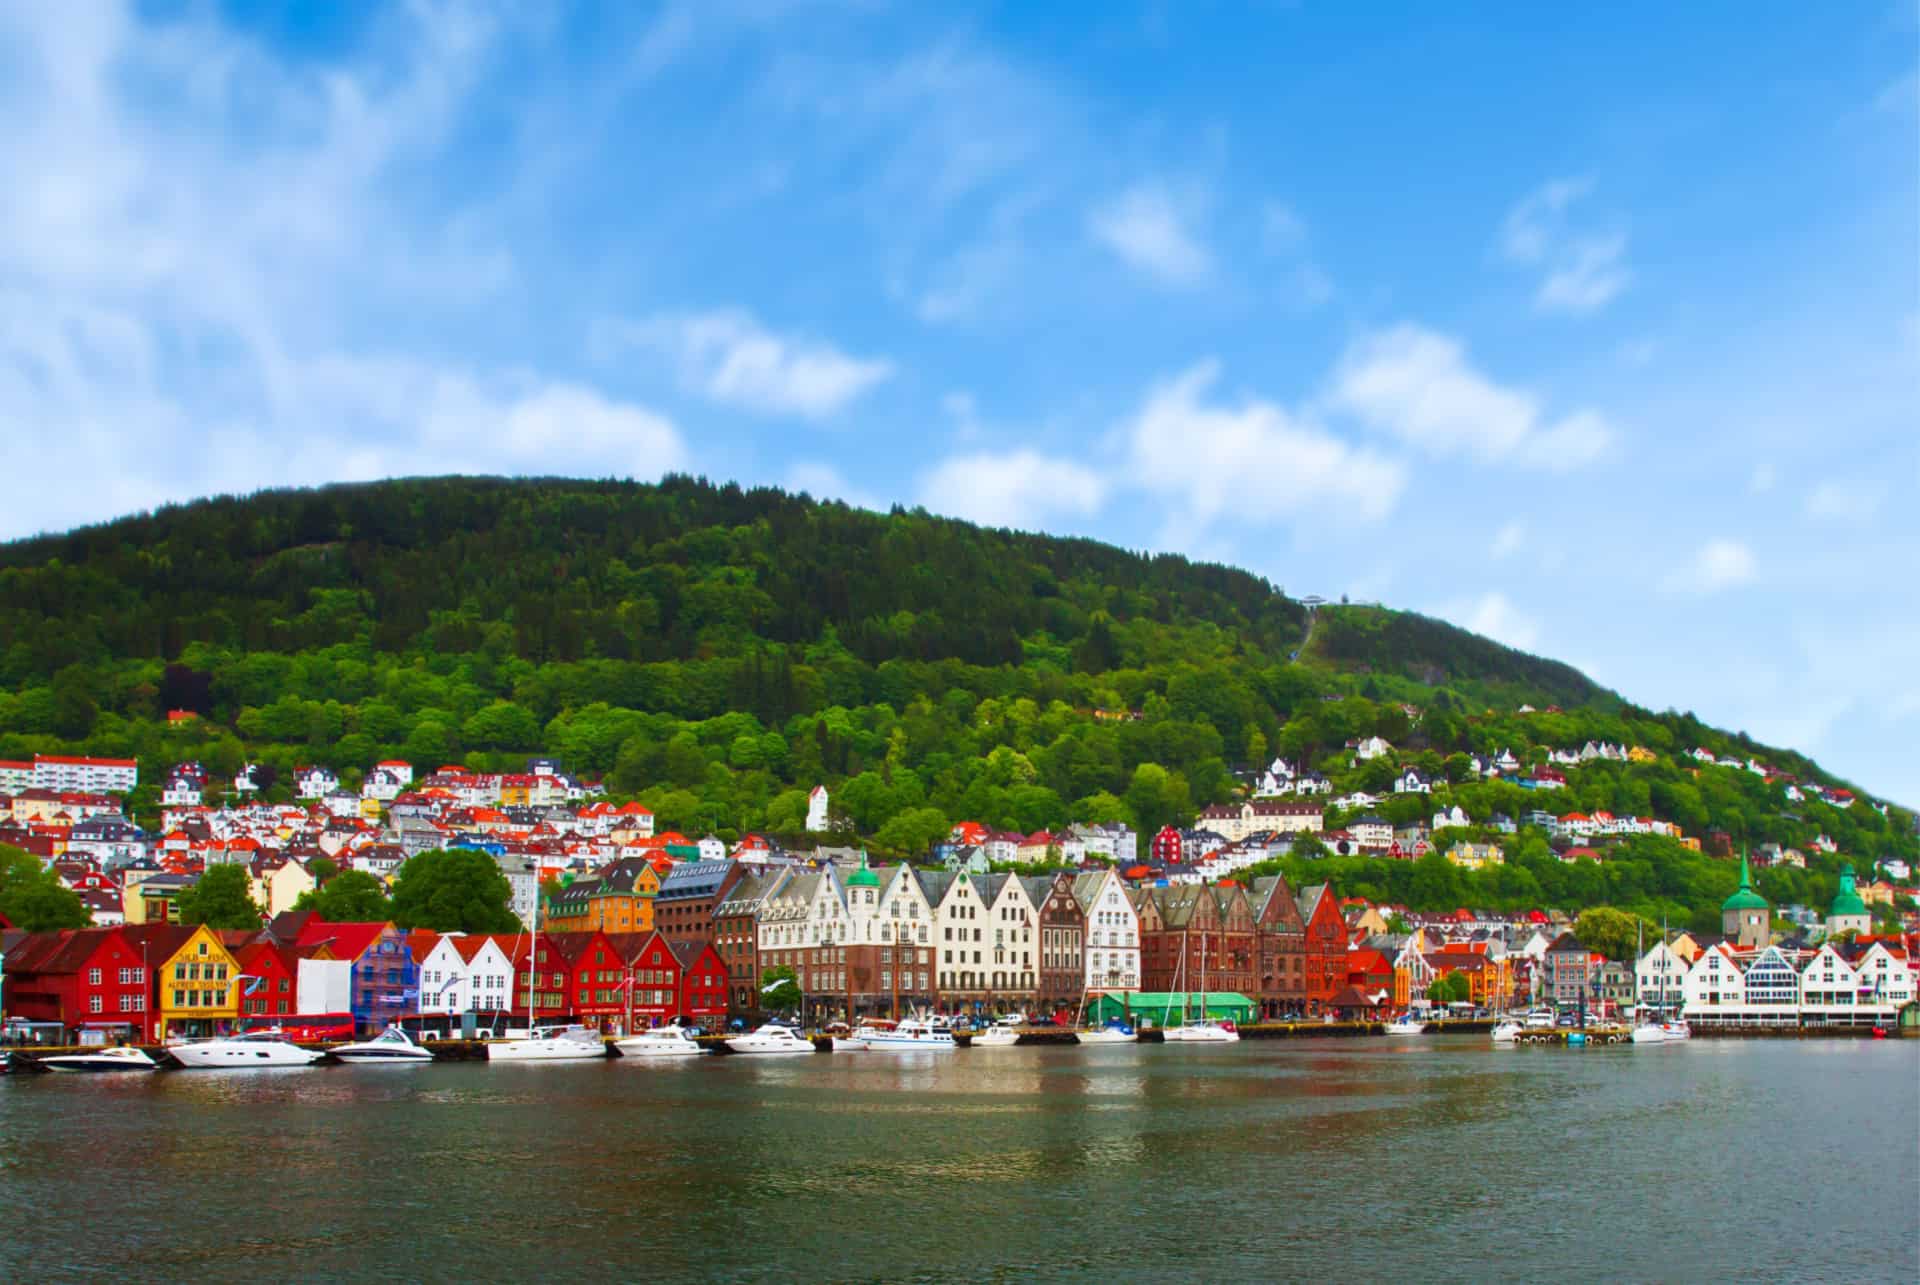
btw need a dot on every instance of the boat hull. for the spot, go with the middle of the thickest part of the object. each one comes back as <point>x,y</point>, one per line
<point>1106,1037</point>
<point>94,1064</point>
<point>544,1051</point>
<point>769,1048</point>
<point>383,1057</point>
<point>242,1057</point>
<point>1199,1035</point>
<point>649,1050</point>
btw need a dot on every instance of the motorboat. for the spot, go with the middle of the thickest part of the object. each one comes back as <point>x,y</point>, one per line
<point>1001,1034</point>
<point>549,1044</point>
<point>1203,1032</point>
<point>911,1033</point>
<point>1507,1032</point>
<point>1406,1024</point>
<point>392,1047</point>
<point>126,1058</point>
<point>1668,1032</point>
<point>1111,1033</point>
<point>771,1038</point>
<point>1540,1019</point>
<point>255,1050</point>
<point>661,1041</point>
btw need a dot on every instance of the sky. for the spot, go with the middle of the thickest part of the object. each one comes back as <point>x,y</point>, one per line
<point>1594,330</point>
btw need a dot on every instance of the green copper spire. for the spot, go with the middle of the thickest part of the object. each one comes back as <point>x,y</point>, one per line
<point>864,877</point>
<point>1847,901</point>
<point>1746,898</point>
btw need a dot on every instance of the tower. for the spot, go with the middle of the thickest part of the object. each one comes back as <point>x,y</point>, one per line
<point>1849,912</point>
<point>1745,918</point>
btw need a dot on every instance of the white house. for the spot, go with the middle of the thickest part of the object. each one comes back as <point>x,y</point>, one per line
<point>443,979</point>
<point>1659,979</point>
<point>182,789</point>
<point>817,810</point>
<point>712,848</point>
<point>1110,943</point>
<point>314,782</point>
<point>1450,816</point>
<point>1014,935</point>
<point>1371,748</point>
<point>1371,832</point>
<point>382,786</point>
<point>1412,781</point>
<point>1358,799</point>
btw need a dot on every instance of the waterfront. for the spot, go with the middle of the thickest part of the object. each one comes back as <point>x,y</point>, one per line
<point>1442,1158</point>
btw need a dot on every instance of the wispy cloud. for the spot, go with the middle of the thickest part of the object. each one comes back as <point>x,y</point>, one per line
<point>1019,488</point>
<point>1718,564</point>
<point>1851,501</point>
<point>1151,231</point>
<point>1494,616</point>
<point>729,357</point>
<point>1418,386</point>
<point>1581,271</point>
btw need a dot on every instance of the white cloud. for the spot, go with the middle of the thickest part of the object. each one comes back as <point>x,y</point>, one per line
<point>1418,385</point>
<point>1581,271</point>
<point>1019,488</point>
<point>1836,501</point>
<point>1509,540</point>
<point>1493,616</point>
<point>1149,230</point>
<point>824,482</point>
<point>730,358</point>
<point>1717,565</point>
<point>1201,454</point>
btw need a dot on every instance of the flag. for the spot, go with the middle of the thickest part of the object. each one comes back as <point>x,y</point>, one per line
<point>254,982</point>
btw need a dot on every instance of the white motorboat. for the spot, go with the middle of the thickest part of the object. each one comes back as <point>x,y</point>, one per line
<point>661,1041</point>
<point>1540,1019</point>
<point>1670,1032</point>
<point>1406,1024</point>
<point>126,1058</point>
<point>392,1047</point>
<point>549,1044</point>
<point>1002,1034</point>
<point>771,1038</point>
<point>1109,1034</point>
<point>1507,1032</point>
<point>1204,1032</point>
<point>255,1050</point>
<point>911,1033</point>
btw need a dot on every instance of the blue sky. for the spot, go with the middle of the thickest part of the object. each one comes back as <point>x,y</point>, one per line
<point>1595,331</point>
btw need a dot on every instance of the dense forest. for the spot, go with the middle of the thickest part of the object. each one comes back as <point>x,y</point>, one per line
<point>716,651</point>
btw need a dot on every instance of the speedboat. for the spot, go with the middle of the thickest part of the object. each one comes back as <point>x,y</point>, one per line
<point>1507,1032</point>
<point>1406,1024</point>
<point>1541,1019</point>
<point>661,1041</point>
<point>1001,1034</point>
<point>911,1033</point>
<point>549,1044</point>
<point>1204,1032</point>
<point>771,1038</point>
<point>1111,1033</point>
<point>1671,1032</point>
<point>392,1047</point>
<point>126,1058</point>
<point>255,1050</point>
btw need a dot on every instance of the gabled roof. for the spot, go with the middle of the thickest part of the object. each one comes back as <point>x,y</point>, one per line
<point>346,941</point>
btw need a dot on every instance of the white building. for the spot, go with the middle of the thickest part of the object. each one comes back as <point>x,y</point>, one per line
<point>1659,979</point>
<point>68,775</point>
<point>1371,748</point>
<point>1110,942</point>
<point>817,810</point>
<point>314,782</point>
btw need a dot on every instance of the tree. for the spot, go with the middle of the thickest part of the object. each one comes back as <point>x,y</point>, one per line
<point>322,869</point>
<point>222,899</point>
<point>33,899</point>
<point>350,897</point>
<point>779,989</point>
<point>460,890</point>
<point>1611,932</point>
<point>1450,988</point>
<point>913,832</point>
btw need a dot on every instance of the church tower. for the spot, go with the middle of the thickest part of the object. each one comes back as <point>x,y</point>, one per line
<point>1745,918</point>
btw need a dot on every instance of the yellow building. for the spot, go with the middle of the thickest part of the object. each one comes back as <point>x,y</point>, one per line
<point>278,888</point>
<point>1476,856</point>
<point>199,987</point>
<point>1641,754</point>
<point>618,900</point>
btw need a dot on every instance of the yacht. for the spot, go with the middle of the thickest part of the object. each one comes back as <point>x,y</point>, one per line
<point>1406,1024</point>
<point>392,1047</point>
<point>126,1058</point>
<point>255,1050</point>
<point>661,1041</point>
<point>1507,1032</point>
<point>1111,1033</point>
<point>1668,1032</point>
<point>1001,1034</point>
<point>1202,1032</point>
<point>771,1038</point>
<point>549,1044</point>
<point>911,1033</point>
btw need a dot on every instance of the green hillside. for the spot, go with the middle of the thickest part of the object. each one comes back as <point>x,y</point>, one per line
<point>717,651</point>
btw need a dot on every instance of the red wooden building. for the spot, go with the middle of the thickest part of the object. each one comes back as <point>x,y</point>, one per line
<point>669,979</point>
<point>88,977</point>
<point>1325,962</point>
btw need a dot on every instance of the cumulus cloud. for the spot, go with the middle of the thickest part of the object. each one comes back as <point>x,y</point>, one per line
<point>825,482</point>
<point>1150,231</point>
<point>1581,271</point>
<point>1718,564</point>
<point>1250,458</point>
<point>1493,616</point>
<point>1018,488</point>
<point>729,357</point>
<point>1417,385</point>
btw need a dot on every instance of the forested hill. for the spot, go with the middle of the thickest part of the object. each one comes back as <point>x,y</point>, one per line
<point>717,651</point>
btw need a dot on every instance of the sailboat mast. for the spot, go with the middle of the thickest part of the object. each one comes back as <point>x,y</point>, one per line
<point>533,952</point>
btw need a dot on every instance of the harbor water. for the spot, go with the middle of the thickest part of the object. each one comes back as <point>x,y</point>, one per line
<point>1443,1158</point>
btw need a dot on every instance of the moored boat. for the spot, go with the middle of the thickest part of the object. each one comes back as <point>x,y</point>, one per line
<point>772,1038</point>
<point>549,1044</point>
<point>1202,1032</point>
<point>253,1051</point>
<point>1406,1024</point>
<point>910,1033</point>
<point>661,1041</point>
<point>1668,1032</point>
<point>1115,1032</point>
<point>115,1059</point>
<point>1507,1032</point>
<point>392,1047</point>
<point>1002,1034</point>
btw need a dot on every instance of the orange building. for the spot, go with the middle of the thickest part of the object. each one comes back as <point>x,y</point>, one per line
<point>617,900</point>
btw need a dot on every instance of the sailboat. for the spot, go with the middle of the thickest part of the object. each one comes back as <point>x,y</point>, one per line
<point>1662,1030</point>
<point>1206,1030</point>
<point>544,1044</point>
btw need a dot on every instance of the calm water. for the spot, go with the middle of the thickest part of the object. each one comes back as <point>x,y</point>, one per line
<point>1434,1159</point>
